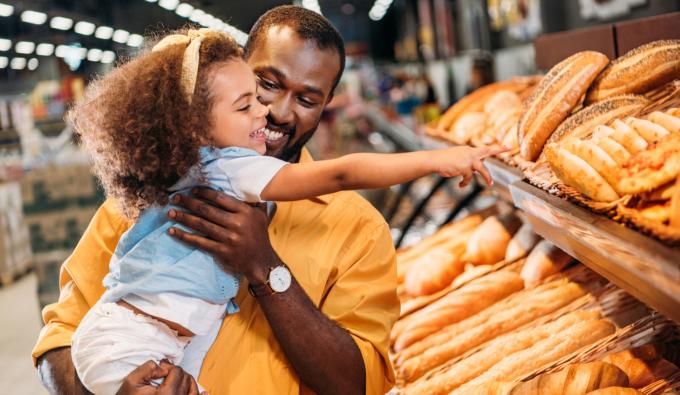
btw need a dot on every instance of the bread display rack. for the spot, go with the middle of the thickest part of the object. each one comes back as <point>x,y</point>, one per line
<point>644,266</point>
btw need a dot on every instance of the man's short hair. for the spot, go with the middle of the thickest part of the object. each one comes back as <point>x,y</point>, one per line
<point>306,23</point>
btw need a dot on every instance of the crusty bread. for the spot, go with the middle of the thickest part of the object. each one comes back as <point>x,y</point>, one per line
<point>581,123</point>
<point>556,96</point>
<point>545,260</point>
<point>500,323</point>
<point>638,71</point>
<point>615,150</point>
<point>435,273</point>
<point>577,173</point>
<point>522,242</point>
<point>652,168</point>
<point>650,131</point>
<point>563,343</point>
<point>628,137</point>
<point>456,306</point>
<point>488,242</point>
<point>615,391</point>
<point>476,364</point>
<point>667,121</point>
<point>596,157</point>
<point>576,379</point>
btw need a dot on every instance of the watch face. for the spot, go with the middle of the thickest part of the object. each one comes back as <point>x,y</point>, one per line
<point>279,279</point>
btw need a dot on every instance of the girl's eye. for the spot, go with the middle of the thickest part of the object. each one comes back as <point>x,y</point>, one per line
<point>244,108</point>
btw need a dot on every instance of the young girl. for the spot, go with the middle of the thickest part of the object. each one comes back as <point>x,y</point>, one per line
<point>183,115</point>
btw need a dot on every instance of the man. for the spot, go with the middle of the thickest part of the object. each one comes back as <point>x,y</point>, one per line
<point>327,329</point>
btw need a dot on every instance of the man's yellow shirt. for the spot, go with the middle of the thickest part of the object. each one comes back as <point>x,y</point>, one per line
<point>338,248</point>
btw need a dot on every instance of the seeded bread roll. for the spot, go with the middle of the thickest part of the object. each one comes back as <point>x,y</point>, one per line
<point>638,71</point>
<point>554,99</point>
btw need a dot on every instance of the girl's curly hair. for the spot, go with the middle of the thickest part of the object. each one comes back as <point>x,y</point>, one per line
<point>138,126</point>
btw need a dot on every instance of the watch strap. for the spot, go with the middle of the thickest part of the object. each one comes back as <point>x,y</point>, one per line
<point>259,290</point>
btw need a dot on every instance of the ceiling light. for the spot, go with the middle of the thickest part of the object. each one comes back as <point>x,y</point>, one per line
<point>79,52</point>
<point>184,10</point>
<point>17,63</point>
<point>44,49</point>
<point>151,1</point>
<point>62,51</point>
<point>84,28</point>
<point>33,64</point>
<point>24,47</point>
<point>94,55</point>
<point>5,44</point>
<point>121,36</point>
<point>3,62</point>
<point>168,4</point>
<point>135,40</point>
<point>6,10</point>
<point>61,23</point>
<point>196,15</point>
<point>108,57</point>
<point>34,17</point>
<point>104,32</point>
<point>206,19</point>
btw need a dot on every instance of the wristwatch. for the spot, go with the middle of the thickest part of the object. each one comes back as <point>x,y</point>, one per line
<point>278,281</point>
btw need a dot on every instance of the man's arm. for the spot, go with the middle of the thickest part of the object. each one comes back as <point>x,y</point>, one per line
<point>325,356</point>
<point>57,373</point>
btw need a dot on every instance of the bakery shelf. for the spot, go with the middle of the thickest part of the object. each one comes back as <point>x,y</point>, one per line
<point>503,175</point>
<point>644,267</point>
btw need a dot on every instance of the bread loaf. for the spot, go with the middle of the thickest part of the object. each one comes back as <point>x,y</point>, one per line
<point>546,351</point>
<point>628,138</point>
<point>596,157</point>
<point>436,272</point>
<point>638,71</point>
<point>643,365</point>
<point>615,391</point>
<point>555,98</point>
<point>446,334</point>
<point>502,322</point>
<point>494,351</point>
<point>488,242</point>
<point>652,168</point>
<point>545,260</point>
<point>667,121</point>
<point>577,379</point>
<point>456,306</point>
<point>581,124</point>
<point>522,242</point>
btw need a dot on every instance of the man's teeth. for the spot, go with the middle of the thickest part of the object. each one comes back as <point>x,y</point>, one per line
<point>272,135</point>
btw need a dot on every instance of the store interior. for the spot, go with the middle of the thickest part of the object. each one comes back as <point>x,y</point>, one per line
<point>558,268</point>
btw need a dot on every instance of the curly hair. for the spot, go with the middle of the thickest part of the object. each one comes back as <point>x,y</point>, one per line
<point>140,129</point>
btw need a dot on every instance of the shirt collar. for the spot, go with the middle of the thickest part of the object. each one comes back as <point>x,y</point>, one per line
<point>306,157</point>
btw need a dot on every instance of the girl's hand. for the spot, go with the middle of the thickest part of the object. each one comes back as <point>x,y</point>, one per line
<point>464,161</point>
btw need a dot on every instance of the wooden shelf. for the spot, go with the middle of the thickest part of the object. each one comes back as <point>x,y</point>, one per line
<point>644,267</point>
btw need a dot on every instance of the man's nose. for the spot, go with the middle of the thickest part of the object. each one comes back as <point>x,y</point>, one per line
<point>281,111</point>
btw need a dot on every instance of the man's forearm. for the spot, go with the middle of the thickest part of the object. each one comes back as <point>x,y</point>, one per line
<point>324,355</point>
<point>58,374</point>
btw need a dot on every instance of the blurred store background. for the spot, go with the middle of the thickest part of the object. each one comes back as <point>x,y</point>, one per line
<point>408,60</point>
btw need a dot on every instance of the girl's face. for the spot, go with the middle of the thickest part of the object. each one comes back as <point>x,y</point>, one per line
<point>238,117</point>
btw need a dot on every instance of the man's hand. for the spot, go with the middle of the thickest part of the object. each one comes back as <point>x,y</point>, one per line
<point>177,381</point>
<point>235,233</point>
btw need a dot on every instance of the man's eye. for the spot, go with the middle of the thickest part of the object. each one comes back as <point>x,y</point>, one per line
<point>306,102</point>
<point>267,85</point>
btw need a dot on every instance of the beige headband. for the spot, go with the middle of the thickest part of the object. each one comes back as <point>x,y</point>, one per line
<point>190,61</point>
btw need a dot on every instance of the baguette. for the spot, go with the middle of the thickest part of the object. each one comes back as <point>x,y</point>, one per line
<point>638,71</point>
<point>553,100</point>
<point>448,333</point>
<point>522,242</point>
<point>488,242</point>
<point>435,273</point>
<point>477,363</point>
<point>456,306</point>
<point>501,323</point>
<point>615,391</point>
<point>581,123</point>
<point>577,173</point>
<point>545,260</point>
<point>561,344</point>
<point>576,379</point>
